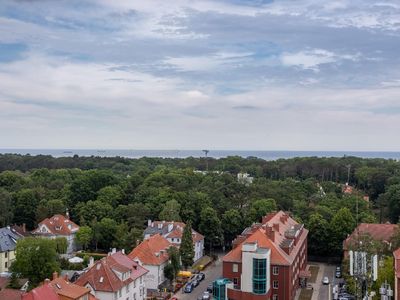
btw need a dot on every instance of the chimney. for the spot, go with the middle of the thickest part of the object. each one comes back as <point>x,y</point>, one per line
<point>67,214</point>
<point>123,251</point>
<point>55,275</point>
<point>113,250</point>
<point>46,281</point>
<point>276,227</point>
<point>170,227</point>
<point>269,231</point>
<point>23,227</point>
<point>149,223</point>
<point>91,262</point>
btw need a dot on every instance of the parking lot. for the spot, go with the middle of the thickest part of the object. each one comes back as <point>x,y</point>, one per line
<point>213,272</point>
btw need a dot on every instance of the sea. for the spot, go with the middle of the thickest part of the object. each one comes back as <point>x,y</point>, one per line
<point>267,155</point>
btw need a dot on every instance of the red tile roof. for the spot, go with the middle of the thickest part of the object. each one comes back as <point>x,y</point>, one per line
<point>68,289</point>
<point>152,251</point>
<point>378,232</point>
<point>10,294</point>
<point>136,269</point>
<point>258,233</point>
<point>40,293</point>
<point>176,230</point>
<point>57,225</point>
<point>102,277</point>
<point>4,282</point>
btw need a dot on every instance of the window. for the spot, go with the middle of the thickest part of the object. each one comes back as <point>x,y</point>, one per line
<point>134,284</point>
<point>141,280</point>
<point>275,270</point>
<point>235,268</point>
<point>6,254</point>
<point>127,288</point>
<point>275,284</point>
<point>235,281</point>
<point>115,296</point>
<point>120,293</point>
<point>5,264</point>
<point>259,276</point>
<point>275,297</point>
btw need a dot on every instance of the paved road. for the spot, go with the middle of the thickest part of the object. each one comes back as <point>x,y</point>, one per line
<point>212,272</point>
<point>329,271</point>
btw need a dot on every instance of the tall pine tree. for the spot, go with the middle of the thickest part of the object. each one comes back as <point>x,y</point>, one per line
<point>186,249</point>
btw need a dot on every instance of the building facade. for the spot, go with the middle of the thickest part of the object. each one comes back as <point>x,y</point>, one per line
<point>115,277</point>
<point>173,232</point>
<point>58,226</point>
<point>152,254</point>
<point>8,242</point>
<point>268,260</point>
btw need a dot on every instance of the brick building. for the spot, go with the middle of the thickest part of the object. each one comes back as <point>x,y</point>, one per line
<point>268,260</point>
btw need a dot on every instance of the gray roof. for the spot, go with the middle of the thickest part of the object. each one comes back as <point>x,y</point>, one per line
<point>8,239</point>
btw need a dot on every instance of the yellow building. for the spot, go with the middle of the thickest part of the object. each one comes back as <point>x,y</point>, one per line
<point>8,242</point>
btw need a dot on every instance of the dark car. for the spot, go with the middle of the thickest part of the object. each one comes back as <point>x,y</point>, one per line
<point>210,288</point>
<point>188,288</point>
<point>195,283</point>
<point>206,296</point>
<point>201,276</point>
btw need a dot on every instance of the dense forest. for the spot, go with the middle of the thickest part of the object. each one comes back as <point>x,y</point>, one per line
<point>112,198</point>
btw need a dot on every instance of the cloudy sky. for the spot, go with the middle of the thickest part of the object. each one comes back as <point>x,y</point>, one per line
<point>188,74</point>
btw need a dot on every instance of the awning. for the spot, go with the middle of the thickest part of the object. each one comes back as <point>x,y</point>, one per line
<point>304,274</point>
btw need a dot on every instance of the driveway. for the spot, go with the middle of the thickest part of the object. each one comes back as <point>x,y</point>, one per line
<point>213,272</point>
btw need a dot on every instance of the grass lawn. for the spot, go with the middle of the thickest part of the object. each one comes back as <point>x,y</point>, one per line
<point>305,294</point>
<point>314,273</point>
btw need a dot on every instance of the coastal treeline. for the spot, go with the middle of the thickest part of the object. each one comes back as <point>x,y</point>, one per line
<point>112,198</point>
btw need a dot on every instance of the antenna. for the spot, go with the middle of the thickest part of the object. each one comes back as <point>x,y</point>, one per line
<point>206,153</point>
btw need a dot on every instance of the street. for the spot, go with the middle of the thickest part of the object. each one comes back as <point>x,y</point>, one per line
<point>212,272</point>
<point>329,271</point>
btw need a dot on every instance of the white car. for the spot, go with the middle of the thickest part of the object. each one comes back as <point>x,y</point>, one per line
<point>325,280</point>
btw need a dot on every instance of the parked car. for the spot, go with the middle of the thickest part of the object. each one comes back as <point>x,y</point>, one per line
<point>201,276</point>
<point>195,282</point>
<point>206,296</point>
<point>210,288</point>
<point>338,272</point>
<point>188,288</point>
<point>325,280</point>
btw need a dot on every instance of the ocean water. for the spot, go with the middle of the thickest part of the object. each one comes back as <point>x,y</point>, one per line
<point>267,155</point>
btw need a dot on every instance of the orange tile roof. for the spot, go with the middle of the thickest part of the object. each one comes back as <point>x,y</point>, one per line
<point>136,269</point>
<point>259,234</point>
<point>68,289</point>
<point>57,225</point>
<point>10,294</point>
<point>40,293</point>
<point>396,254</point>
<point>378,232</point>
<point>152,251</point>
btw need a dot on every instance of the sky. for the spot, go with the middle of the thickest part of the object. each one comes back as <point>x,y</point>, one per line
<point>193,74</point>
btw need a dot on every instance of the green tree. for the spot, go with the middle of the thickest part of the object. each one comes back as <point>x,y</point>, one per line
<point>341,225</point>
<point>107,229</point>
<point>84,236</point>
<point>260,208</point>
<point>186,249</point>
<point>233,224</point>
<point>6,213</point>
<point>36,259</point>
<point>172,268</point>
<point>61,245</point>
<point>25,203</point>
<point>210,227</point>
<point>318,237</point>
<point>171,211</point>
<point>392,197</point>
<point>112,195</point>
<point>86,212</point>
<point>50,208</point>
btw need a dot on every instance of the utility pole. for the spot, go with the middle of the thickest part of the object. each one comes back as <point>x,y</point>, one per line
<point>348,173</point>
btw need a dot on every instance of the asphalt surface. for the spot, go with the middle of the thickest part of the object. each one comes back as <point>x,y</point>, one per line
<point>325,290</point>
<point>213,272</point>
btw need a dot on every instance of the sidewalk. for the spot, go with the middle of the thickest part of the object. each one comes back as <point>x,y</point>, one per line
<point>317,284</point>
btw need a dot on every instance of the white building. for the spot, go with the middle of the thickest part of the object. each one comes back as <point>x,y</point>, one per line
<point>115,277</point>
<point>173,232</point>
<point>58,226</point>
<point>152,254</point>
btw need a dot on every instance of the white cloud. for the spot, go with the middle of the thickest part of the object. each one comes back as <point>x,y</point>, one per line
<point>312,59</point>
